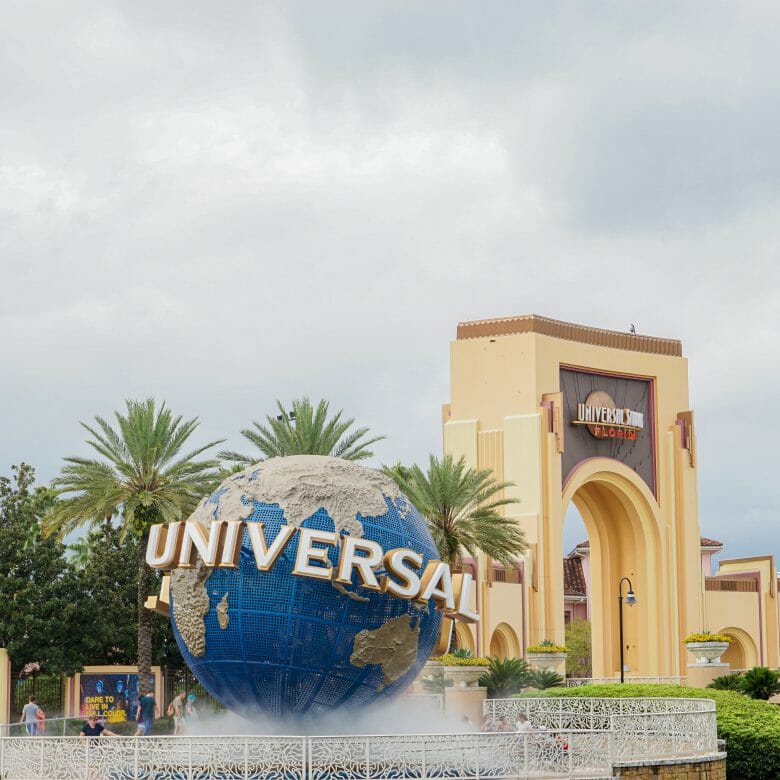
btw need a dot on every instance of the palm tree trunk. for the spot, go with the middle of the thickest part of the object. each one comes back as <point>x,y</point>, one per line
<point>146,584</point>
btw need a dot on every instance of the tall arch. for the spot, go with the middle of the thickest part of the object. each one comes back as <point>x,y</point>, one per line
<point>742,653</point>
<point>623,523</point>
<point>504,642</point>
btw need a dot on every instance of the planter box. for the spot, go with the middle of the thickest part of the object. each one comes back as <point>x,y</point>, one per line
<point>545,660</point>
<point>707,652</point>
<point>461,676</point>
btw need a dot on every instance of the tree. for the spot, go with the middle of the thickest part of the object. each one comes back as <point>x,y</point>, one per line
<point>304,430</point>
<point>578,644</point>
<point>505,677</point>
<point>109,582</point>
<point>141,476</point>
<point>462,506</point>
<point>43,620</point>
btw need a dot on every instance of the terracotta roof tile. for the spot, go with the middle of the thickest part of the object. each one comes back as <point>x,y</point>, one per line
<point>573,577</point>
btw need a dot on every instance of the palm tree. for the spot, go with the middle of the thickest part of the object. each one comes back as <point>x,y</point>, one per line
<point>304,430</point>
<point>542,679</point>
<point>140,475</point>
<point>461,506</point>
<point>505,677</point>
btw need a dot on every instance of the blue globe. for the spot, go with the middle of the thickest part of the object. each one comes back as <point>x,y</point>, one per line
<point>287,645</point>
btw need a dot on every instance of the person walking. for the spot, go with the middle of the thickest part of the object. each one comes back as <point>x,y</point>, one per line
<point>176,709</point>
<point>146,713</point>
<point>41,716</point>
<point>29,717</point>
<point>191,711</point>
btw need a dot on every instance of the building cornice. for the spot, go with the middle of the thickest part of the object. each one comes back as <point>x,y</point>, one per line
<point>544,326</point>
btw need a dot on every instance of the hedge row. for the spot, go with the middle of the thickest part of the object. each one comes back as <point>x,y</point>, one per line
<point>750,727</point>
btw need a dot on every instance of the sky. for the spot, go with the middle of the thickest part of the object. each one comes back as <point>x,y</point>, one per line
<point>222,204</point>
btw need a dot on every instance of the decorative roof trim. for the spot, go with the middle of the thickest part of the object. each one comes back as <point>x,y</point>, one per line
<point>544,326</point>
<point>704,544</point>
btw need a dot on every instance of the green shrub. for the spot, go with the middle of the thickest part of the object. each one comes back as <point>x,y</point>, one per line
<point>728,682</point>
<point>505,677</point>
<point>750,727</point>
<point>546,646</point>
<point>760,683</point>
<point>463,652</point>
<point>541,679</point>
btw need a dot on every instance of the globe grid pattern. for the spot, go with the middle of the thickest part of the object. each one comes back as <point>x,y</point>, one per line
<point>286,649</point>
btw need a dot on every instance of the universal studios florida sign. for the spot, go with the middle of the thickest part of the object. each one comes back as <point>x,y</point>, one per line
<point>218,545</point>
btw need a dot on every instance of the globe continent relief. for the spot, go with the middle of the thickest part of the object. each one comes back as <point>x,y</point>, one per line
<point>288,645</point>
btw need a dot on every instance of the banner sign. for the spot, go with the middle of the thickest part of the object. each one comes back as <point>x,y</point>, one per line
<point>111,696</point>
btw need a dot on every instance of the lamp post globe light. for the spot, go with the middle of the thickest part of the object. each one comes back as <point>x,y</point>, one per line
<point>630,600</point>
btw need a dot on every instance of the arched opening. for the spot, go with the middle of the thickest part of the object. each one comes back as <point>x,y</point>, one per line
<point>576,576</point>
<point>620,516</point>
<point>462,637</point>
<point>504,642</point>
<point>742,652</point>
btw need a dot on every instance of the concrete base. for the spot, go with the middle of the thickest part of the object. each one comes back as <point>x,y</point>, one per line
<point>701,675</point>
<point>465,701</point>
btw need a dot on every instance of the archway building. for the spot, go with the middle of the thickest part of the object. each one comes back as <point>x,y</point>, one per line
<point>601,419</point>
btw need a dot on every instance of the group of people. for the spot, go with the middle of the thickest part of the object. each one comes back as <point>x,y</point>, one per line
<point>504,724</point>
<point>182,708</point>
<point>145,713</point>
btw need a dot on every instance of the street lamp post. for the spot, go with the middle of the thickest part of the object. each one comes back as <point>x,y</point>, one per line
<point>630,600</point>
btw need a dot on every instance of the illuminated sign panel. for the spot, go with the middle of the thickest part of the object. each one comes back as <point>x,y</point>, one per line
<point>605,421</point>
<point>608,416</point>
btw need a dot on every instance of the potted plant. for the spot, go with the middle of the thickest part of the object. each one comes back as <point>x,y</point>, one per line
<point>546,654</point>
<point>707,647</point>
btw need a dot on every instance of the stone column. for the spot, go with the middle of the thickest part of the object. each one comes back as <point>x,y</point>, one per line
<point>5,689</point>
<point>465,700</point>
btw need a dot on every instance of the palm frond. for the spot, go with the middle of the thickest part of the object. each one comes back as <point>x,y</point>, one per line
<point>463,508</point>
<point>304,429</point>
<point>141,476</point>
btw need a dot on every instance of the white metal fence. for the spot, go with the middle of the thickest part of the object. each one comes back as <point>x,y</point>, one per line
<point>572,738</point>
<point>566,754</point>
<point>639,727</point>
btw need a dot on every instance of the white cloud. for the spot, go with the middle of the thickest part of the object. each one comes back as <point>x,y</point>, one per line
<point>225,207</point>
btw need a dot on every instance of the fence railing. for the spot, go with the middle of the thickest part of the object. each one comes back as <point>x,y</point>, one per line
<point>568,754</point>
<point>639,728</point>
<point>571,738</point>
<point>576,682</point>
<point>49,727</point>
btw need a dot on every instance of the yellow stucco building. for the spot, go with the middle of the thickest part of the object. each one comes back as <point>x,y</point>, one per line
<point>601,419</point>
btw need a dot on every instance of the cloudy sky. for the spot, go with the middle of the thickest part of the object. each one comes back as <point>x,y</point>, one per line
<point>220,204</point>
